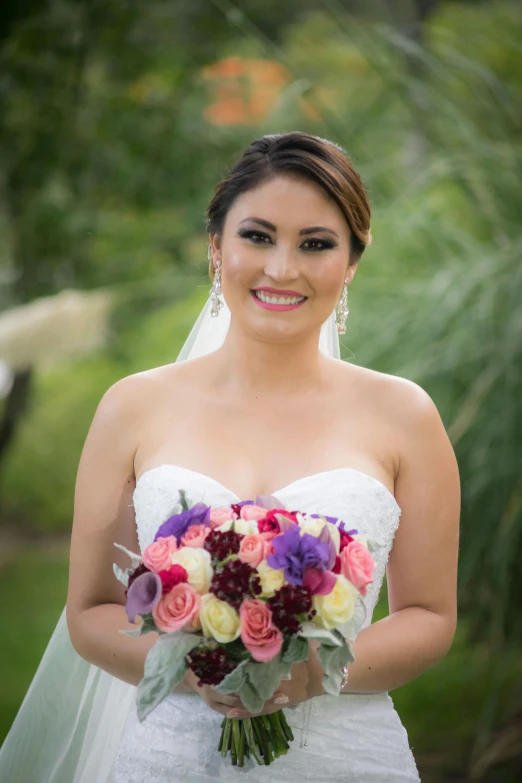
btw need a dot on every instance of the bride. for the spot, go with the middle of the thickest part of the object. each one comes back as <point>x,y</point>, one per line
<point>258,402</point>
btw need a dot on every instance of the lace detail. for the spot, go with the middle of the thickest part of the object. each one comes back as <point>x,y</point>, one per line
<point>356,738</point>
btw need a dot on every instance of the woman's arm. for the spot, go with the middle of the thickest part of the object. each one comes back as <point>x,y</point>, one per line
<point>103,514</point>
<point>422,569</point>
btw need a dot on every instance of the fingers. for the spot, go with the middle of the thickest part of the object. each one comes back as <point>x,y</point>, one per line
<point>275,703</point>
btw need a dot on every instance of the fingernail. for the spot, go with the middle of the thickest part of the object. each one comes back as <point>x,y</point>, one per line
<point>233,714</point>
<point>283,699</point>
<point>286,677</point>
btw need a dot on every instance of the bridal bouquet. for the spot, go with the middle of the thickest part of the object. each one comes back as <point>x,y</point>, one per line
<point>235,593</point>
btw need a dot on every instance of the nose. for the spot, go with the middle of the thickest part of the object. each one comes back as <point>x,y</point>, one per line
<point>280,264</point>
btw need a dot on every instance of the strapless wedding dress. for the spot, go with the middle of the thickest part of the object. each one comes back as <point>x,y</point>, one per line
<point>356,738</point>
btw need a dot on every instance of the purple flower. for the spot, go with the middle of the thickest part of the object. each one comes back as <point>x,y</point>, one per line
<point>143,594</point>
<point>333,520</point>
<point>325,538</point>
<point>342,528</point>
<point>294,552</point>
<point>178,524</point>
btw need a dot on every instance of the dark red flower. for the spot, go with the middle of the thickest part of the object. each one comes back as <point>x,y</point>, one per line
<point>235,581</point>
<point>211,666</point>
<point>220,544</point>
<point>172,577</point>
<point>289,602</point>
<point>337,567</point>
<point>345,540</point>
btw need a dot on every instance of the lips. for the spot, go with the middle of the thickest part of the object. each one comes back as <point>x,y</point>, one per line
<point>277,307</point>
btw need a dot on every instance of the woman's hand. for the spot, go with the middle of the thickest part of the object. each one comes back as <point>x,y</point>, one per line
<point>289,693</point>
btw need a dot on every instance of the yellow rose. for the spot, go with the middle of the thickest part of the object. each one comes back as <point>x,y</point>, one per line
<point>218,619</point>
<point>337,607</point>
<point>246,527</point>
<point>272,579</point>
<point>197,564</point>
<point>314,526</point>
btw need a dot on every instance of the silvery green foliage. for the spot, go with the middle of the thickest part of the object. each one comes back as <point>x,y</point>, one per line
<point>234,680</point>
<point>121,575</point>
<point>374,544</point>
<point>350,629</point>
<point>165,667</point>
<point>265,677</point>
<point>312,631</point>
<point>135,559</point>
<point>250,698</point>
<point>332,659</point>
<point>297,652</point>
<point>147,626</point>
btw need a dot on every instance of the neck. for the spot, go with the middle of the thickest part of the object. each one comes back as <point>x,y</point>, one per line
<point>245,364</point>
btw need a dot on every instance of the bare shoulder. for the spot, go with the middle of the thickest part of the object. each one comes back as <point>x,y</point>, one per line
<point>403,403</point>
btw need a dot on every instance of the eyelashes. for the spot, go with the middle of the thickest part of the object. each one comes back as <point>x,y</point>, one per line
<point>260,238</point>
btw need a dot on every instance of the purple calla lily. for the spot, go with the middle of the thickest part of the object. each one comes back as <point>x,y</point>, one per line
<point>268,502</point>
<point>143,594</point>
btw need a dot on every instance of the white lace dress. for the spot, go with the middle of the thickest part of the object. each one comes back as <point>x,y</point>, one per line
<point>355,738</point>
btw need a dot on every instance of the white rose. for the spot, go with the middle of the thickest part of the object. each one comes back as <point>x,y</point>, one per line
<point>338,607</point>
<point>219,620</point>
<point>198,566</point>
<point>226,526</point>
<point>246,527</point>
<point>272,579</point>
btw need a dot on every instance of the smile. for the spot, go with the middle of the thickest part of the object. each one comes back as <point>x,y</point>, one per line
<point>273,302</point>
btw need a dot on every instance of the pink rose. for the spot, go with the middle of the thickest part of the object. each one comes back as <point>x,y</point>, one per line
<point>258,632</point>
<point>253,513</point>
<point>158,555</point>
<point>178,609</point>
<point>221,514</point>
<point>357,565</point>
<point>195,536</point>
<point>253,549</point>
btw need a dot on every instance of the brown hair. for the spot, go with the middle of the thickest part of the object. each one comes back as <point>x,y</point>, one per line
<point>307,156</point>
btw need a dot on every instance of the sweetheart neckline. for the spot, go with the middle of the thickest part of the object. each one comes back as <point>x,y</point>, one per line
<point>389,494</point>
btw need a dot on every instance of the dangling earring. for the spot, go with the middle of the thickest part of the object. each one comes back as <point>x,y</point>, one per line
<point>215,291</point>
<point>342,310</point>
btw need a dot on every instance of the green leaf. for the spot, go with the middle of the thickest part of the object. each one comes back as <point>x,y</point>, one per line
<point>147,626</point>
<point>135,559</point>
<point>350,629</point>
<point>165,667</point>
<point>312,631</point>
<point>121,575</point>
<point>297,652</point>
<point>374,544</point>
<point>332,659</point>
<point>265,677</point>
<point>251,699</point>
<point>234,680</point>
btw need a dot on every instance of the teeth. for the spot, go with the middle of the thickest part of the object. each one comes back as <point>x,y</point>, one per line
<point>283,300</point>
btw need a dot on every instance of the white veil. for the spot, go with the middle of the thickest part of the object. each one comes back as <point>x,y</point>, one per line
<point>73,715</point>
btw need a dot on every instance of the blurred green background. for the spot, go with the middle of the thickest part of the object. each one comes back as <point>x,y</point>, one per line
<point>116,121</point>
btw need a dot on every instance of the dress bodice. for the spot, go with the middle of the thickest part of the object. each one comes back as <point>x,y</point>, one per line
<point>357,498</point>
<point>351,738</point>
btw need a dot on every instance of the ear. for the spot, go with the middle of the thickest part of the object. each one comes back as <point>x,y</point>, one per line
<point>350,272</point>
<point>215,244</point>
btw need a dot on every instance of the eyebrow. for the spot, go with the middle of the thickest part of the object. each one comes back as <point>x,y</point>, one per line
<point>303,232</point>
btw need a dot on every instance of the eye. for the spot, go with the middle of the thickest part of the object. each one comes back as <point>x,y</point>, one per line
<point>318,245</point>
<point>257,237</point>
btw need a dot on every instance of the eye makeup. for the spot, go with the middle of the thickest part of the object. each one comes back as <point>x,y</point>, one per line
<point>252,235</point>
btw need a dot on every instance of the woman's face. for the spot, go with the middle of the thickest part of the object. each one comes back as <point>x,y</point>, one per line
<point>284,236</point>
